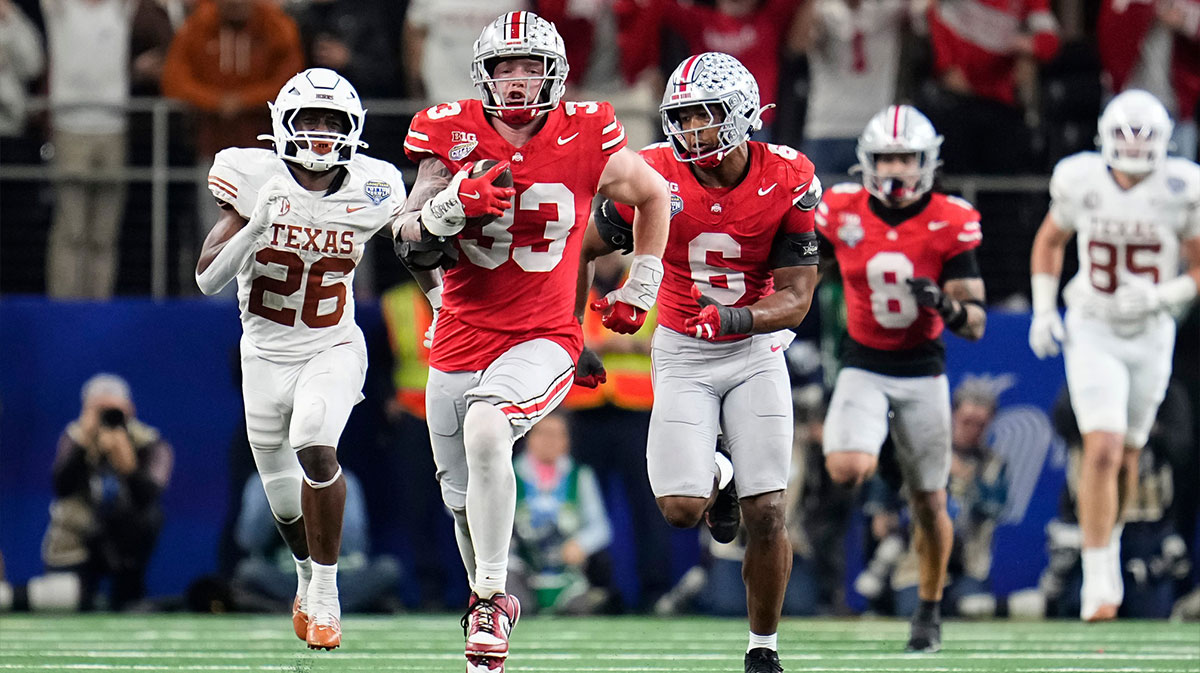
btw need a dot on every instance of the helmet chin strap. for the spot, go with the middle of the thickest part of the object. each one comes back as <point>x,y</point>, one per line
<point>517,117</point>
<point>712,160</point>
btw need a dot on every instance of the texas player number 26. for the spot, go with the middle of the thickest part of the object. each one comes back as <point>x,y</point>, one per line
<point>313,283</point>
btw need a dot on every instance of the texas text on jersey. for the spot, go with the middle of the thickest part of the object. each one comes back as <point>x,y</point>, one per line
<point>722,240</point>
<point>516,275</point>
<point>297,296</point>
<point>878,249</point>
<point>1122,234</point>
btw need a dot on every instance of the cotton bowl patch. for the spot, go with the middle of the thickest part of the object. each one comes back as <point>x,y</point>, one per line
<point>676,204</point>
<point>377,191</point>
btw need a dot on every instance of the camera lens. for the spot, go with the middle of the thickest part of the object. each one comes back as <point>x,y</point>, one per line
<point>112,418</point>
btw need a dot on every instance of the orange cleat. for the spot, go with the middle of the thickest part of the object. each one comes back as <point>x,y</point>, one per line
<point>324,634</point>
<point>299,620</point>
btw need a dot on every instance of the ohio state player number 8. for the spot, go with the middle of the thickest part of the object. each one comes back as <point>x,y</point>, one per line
<point>892,303</point>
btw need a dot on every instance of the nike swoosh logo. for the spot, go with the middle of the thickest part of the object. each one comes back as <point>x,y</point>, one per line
<point>352,209</point>
<point>564,141</point>
<point>939,224</point>
<point>470,196</point>
<point>776,348</point>
<point>764,192</point>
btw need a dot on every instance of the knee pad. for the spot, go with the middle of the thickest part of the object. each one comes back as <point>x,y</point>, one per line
<point>281,474</point>
<point>487,433</point>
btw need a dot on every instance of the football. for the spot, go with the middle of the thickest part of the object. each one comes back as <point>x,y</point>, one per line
<point>505,179</point>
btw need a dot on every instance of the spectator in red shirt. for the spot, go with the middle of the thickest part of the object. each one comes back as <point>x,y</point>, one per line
<point>1155,46</point>
<point>752,31</point>
<point>977,47</point>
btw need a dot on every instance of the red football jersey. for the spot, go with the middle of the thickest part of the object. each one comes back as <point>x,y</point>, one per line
<point>721,239</point>
<point>876,260</point>
<point>515,277</point>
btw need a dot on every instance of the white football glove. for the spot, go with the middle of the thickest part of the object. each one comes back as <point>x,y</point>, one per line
<point>1136,297</point>
<point>269,203</point>
<point>1046,332</point>
<point>641,287</point>
<point>444,214</point>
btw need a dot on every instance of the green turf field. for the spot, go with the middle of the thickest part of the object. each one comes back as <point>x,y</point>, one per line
<point>691,645</point>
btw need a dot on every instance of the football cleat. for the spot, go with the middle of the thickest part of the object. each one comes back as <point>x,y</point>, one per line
<point>299,620</point>
<point>763,660</point>
<point>324,633</point>
<point>924,637</point>
<point>487,625</point>
<point>725,516</point>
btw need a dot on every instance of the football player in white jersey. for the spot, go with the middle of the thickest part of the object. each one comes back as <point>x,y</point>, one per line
<point>1133,210</point>
<point>293,227</point>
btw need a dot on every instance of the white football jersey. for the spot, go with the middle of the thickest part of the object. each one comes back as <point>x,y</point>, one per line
<point>1122,233</point>
<point>296,292</point>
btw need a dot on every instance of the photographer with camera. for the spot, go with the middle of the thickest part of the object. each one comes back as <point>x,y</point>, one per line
<point>109,473</point>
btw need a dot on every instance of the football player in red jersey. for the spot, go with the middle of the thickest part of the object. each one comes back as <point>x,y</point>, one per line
<point>907,260</point>
<point>739,270</point>
<point>506,341</point>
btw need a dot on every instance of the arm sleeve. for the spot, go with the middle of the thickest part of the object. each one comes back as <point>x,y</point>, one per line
<point>963,265</point>
<point>596,532</point>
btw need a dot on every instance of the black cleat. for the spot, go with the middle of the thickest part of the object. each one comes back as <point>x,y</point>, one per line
<point>924,637</point>
<point>725,516</point>
<point>762,660</point>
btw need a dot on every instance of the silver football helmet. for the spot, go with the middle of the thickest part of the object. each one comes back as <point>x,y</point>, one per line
<point>728,93</point>
<point>520,35</point>
<point>899,129</point>
<point>1135,130</point>
<point>324,89</point>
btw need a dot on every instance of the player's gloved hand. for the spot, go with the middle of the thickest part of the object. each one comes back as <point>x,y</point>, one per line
<point>624,309</point>
<point>716,319</point>
<point>447,212</point>
<point>1046,332</point>
<point>928,294</point>
<point>269,203</point>
<point>1135,298</point>
<point>589,371</point>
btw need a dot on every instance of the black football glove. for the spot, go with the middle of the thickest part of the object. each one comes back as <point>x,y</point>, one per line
<point>929,295</point>
<point>589,371</point>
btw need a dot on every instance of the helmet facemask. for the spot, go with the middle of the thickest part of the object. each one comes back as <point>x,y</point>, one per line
<point>686,142</point>
<point>896,187</point>
<point>319,150</point>
<point>538,95</point>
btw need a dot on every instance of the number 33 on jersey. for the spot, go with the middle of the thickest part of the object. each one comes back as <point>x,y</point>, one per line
<point>877,260</point>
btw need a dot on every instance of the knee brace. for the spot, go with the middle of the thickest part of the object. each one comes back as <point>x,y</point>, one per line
<point>281,474</point>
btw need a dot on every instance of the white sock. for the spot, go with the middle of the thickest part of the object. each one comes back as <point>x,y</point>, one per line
<point>1096,570</point>
<point>491,494</point>
<point>770,642</point>
<point>303,578</point>
<point>724,470</point>
<point>322,591</point>
<point>490,579</point>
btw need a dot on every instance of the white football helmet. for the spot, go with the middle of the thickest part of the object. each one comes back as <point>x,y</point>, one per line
<point>1135,130</point>
<point>323,89</point>
<point>520,35</point>
<point>899,129</point>
<point>714,81</point>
